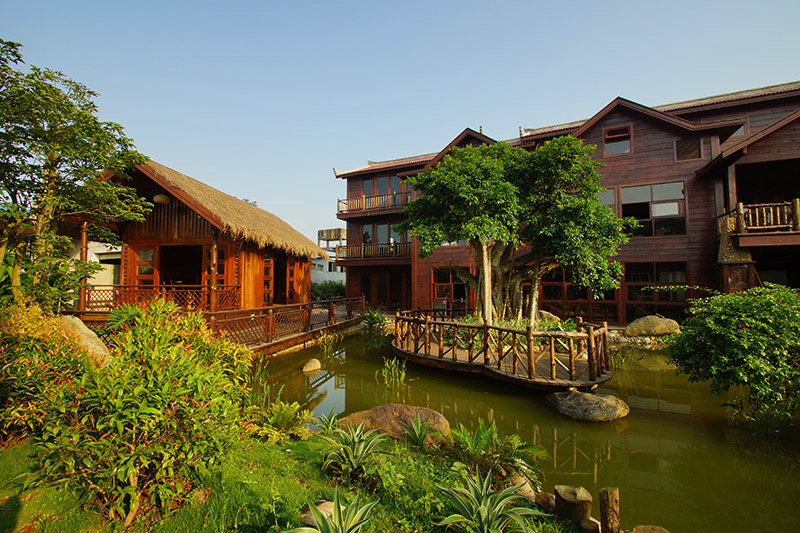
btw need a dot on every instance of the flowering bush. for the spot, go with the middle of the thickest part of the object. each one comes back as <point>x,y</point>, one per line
<point>749,339</point>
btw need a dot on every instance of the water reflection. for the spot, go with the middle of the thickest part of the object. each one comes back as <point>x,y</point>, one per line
<point>675,459</point>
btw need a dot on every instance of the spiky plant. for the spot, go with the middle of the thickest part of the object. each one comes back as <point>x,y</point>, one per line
<point>478,508</point>
<point>327,423</point>
<point>416,431</point>
<point>351,450</point>
<point>351,520</point>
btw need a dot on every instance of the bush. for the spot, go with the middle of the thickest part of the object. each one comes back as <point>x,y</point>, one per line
<point>749,339</point>
<point>141,432</point>
<point>36,358</point>
<point>327,290</point>
<point>374,321</point>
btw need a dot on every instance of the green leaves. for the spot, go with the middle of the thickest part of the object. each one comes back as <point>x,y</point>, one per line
<point>352,450</point>
<point>351,520</point>
<point>751,339</point>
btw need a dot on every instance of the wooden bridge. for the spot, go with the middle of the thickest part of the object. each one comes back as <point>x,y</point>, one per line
<point>547,360</point>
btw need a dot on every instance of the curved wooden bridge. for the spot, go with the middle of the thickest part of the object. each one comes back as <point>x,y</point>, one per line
<point>547,360</point>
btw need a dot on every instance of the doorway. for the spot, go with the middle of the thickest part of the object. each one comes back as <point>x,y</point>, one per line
<point>181,265</point>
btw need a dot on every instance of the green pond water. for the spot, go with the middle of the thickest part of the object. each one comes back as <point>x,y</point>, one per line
<point>676,459</point>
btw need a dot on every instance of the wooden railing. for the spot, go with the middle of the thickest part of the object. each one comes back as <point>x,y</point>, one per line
<point>189,297</point>
<point>267,324</point>
<point>781,216</point>
<point>566,357</point>
<point>358,251</point>
<point>369,203</point>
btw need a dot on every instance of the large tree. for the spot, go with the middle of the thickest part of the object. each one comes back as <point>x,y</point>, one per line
<point>524,214</point>
<point>53,150</point>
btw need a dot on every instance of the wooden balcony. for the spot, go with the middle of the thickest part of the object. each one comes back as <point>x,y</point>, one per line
<point>188,297</point>
<point>377,203</point>
<point>362,251</point>
<point>774,224</point>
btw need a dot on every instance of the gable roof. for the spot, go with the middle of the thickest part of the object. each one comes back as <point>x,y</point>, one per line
<point>372,166</point>
<point>460,138</point>
<point>230,214</point>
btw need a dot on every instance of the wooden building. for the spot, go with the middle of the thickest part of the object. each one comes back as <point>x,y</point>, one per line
<point>713,182</point>
<point>205,250</point>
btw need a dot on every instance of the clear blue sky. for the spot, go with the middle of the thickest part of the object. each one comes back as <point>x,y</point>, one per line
<point>262,99</point>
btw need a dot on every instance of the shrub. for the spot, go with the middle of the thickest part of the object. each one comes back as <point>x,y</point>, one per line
<point>476,507</point>
<point>416,431</point>
<point>327,290</point>
<point>374,321</point>
<point>279,421</point>
<point>36,358</point>
<point>352,450</point>
<point>749,339</point>
<point>142,431</point>
<point>351,520</point>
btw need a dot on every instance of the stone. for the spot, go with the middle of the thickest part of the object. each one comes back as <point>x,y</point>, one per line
<point>652,326</point>
<point>547,502</point>
<point>324,507</point>
<point>312,366</point>
<point>546,316</point>
<point>589,525</point>
<point>525,490</point>
<point>98,352</point>
<point>573,504</point>
<point>589,407</point>
<point>649,529</point>
<point>391,418</point>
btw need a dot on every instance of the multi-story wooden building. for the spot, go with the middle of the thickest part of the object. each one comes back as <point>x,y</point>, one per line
<point>714,183</point>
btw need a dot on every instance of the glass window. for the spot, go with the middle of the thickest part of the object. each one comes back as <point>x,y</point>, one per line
<point>666,209</point>
<point>617,141</point>
<point>146,270</point>
<point>396,184</point>
<point>383,185</point>
<point>441,276</point>
<point>146,255</point>
<point>383,233</point>
<point>642,282</point>
<point>397,237</point>
<point>640,193</point>
<point>607,197</point>
<point>668,191</point>
<point>366,232</point>
<point>658,208</point>
<point>739,132</point>
<point>688,149</point>
<point>367,184</point>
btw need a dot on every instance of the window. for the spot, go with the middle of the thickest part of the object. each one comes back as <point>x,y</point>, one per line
<point>562,297</point>
<point>366,234</point>
<point>145,267</point>
<point>659,209</point>
<point>267,278</point>
<point>398,237</point>
<point>367,186</point>
<point>448,290</point>
<point>382,185</point>
<point>643,297</point>
<point>383,233</point>
<point>688,149</point>
<point>608,197</point>
<point>617,141</point>
<point>740,132</point>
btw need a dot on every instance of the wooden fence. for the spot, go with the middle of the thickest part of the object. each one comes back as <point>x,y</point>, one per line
<point>561,357</point>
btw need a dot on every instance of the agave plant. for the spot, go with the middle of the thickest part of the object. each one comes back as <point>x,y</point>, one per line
<point>416,431</point>
<point>327,423</point>
<point>351,450</point>
<point>351,520</point>
<point>478,508</point>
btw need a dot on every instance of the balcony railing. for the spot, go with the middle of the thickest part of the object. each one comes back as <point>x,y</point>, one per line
<point>359,251</point>
<point>189,297</point>
<point>780,216</point>
<point>374,203</point>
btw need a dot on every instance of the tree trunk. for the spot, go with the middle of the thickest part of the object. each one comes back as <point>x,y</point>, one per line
<point>533,301</point>
<point>16,273</point>
<point>516,298</point>
<point>486,273</point>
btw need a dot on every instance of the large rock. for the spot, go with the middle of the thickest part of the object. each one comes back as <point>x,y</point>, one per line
<point>573,504</point>
<point>312,366</point>
<point>325,508</point>
<point>526,490</point>
<point>589,407</point>
<point>652,326</point>
<point>86,338</point>
<point>546,316</point>
<point>391,418</point>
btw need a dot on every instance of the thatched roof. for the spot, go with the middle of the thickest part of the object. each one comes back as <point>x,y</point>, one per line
<point>231,214</point>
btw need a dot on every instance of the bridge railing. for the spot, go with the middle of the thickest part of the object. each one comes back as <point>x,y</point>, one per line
<point>569,355</point>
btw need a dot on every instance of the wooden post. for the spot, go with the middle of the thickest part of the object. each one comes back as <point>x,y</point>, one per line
<point>306,317</point>
<point>552,358</point>
<point>531,363</point>
<point>470,343</point>
<point>455,343</point>
<point>499,350</point>
<point>397,329</point>
<point>212,323</point>
<point>485,344</point>
<point>740,225</point>
<point>270,324</point>
<point>427,335</point>
<point>609,510</point>
<point>605,346</point>
<point>572,359</point>
<point>441,340</point>
<point>212,300</point>
<point>591,353</point>
<point>331,314</point>
<point>796,214</point>
<point>84,258</point>
<point>514,353</point>
<point>573,504</point>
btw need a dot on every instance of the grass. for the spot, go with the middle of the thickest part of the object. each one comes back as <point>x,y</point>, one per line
<point>259,487</point>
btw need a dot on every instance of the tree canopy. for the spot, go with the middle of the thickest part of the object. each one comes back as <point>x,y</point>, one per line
<point>524,214</point>
<point>53,151</point>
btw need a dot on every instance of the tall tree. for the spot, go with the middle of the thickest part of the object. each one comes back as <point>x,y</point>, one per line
<point>467,197</point>
<point>54,150</point>
<point>524,214</point>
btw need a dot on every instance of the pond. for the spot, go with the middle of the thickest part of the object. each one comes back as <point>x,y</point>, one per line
<point>676,459</point>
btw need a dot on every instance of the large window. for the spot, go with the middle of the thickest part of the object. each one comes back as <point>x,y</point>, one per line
<point>448,290</point>
<point>660,209</point>
<point>565,299</point>
<point>643,299</point>
<point>617,141</point>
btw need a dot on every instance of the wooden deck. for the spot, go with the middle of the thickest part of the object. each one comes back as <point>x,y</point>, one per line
<point>542,360</point>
